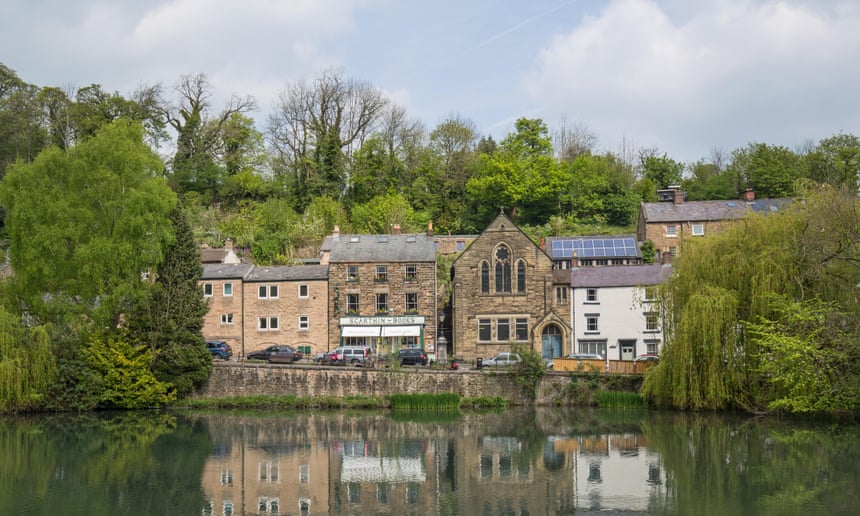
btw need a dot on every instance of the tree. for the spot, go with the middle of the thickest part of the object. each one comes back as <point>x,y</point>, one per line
<point>200,137</point>
<point>732,340</point>
<point>169,315</point>
<point>662,171</point>
<point>573,140</point>
<point>27,366</point>
<point>381,213</point>
<point>836,161</point>
<point>22,132</point>
<point>316,127</point>
<point>769,170</point>
<point>86,222</point>
<point>708,182</point>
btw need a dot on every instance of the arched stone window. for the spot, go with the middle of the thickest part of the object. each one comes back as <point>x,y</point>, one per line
<point>521,276</point>
<point>485,278</point>
<point>503,269</point>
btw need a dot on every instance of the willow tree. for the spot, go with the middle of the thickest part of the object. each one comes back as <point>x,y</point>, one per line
<point>26,364</point>
<point>743,278</point>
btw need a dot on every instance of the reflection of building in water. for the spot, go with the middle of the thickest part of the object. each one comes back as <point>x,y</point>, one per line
<point>614,472</point>
<point>377,470</point>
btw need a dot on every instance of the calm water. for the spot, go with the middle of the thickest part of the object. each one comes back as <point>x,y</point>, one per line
<point>515,462</point>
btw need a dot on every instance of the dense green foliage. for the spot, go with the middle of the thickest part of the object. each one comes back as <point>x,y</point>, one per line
<point>779,330</point>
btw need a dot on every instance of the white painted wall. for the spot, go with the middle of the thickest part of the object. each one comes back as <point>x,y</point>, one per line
<point>621,316</point>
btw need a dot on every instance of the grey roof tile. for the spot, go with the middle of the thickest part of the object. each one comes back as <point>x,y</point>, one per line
<point>382,248</point>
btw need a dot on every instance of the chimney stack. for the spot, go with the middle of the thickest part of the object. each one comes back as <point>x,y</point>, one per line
<point>430,228</point>
<point>395,229</point>
<point>678,195</point>
<point>228,244</point>
<point>749,195</point>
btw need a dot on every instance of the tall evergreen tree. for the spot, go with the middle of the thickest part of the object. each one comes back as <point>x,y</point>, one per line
<point>169,317</point>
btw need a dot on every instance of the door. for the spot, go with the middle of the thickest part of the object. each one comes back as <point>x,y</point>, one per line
<point>551,342</point>
<point>628,349</point>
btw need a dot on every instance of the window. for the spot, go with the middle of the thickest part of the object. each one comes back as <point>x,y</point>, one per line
<point>522,330</point>
<point>486,466</point>
<point>353,492</point>
<point>352,303</point>
<point>561,295</point>
<point>383,492</point>
<point>461,244</point>
<point>226,477</point>
<point>651,323</point>
<point>381,303</point>
<point>304,322</point>
<point>267,323</point>
<point>591,323</point>
<point>698,229</point>
<point>304,473</point>
<point>268,471</point>
<point>651,346</point>
<point>521,276</point>
<point>503,269</point>
<point>207,290</point>
<point>267,291</point>
<point>228,290</point>
<point>592,346</point>
<point>411,272</point>
<point>650,293</point>
<point>485,278</point>
<point>413,492</point>
<point>352,273</point>
<point>226,318</point>
<point>303,291</point>
<point>591,295</point>
<point>411,302</point>
<point>671,230</point>
<point>503,330</point>
<point>484,330</point>
<point>382,273</point>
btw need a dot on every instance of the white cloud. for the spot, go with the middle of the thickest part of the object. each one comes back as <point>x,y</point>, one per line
<point>734,72</point>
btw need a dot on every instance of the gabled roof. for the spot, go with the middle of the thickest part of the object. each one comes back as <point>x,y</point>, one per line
<point>382,248</point>
<point>287,273</point>
<point>619,276</point>
<point>501,224</point>
<point>213,271</point>
<point>668,211</point>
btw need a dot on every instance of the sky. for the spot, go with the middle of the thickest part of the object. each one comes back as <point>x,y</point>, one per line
<point>683,77</point>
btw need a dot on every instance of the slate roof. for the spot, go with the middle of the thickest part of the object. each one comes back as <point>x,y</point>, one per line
<point>382,248</point>
<point>709,210</point>
<point>287,273</point>
<point>619,276</point>
<point>214,271</point>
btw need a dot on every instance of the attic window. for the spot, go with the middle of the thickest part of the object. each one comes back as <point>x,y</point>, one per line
<point>410,239</point>
<point>353,240</point>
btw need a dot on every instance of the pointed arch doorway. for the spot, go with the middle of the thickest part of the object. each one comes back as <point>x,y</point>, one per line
<point>551,338</point>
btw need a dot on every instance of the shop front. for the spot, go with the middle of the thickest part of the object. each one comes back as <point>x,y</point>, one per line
<point>385,334</point>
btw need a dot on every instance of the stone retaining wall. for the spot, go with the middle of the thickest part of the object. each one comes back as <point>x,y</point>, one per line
<point>243,379</point>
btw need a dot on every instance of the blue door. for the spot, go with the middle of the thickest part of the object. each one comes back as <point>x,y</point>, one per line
<point>551,342</point>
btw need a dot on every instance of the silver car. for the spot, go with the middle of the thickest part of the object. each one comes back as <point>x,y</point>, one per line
<point>502,359</point>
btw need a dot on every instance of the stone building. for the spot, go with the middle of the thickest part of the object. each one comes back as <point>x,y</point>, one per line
<point>672,218</point>
<point>223,289</point>
<point>382,291</point>
<point>504,292</point>
<point>252,307</point>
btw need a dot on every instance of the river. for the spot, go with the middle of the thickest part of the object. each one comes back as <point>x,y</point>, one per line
<point>512,462</point>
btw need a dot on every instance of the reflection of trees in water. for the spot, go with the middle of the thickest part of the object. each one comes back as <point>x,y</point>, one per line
<point>716,464</point>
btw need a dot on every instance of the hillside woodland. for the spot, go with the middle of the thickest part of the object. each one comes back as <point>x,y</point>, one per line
<point>107,198</point>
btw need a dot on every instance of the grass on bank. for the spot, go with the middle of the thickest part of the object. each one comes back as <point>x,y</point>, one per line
<point>619,399</point>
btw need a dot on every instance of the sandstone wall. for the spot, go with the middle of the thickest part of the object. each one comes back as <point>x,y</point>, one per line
<point>238,379</point>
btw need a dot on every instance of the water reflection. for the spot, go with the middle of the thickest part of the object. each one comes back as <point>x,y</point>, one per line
<point>516,462</point>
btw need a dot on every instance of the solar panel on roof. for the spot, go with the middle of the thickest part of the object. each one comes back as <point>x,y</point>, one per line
<point>593,247</point>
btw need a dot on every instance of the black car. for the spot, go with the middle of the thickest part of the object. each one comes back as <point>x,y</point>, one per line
<point>276,353</point>
<point>412,356</point>
<point>219,349</point>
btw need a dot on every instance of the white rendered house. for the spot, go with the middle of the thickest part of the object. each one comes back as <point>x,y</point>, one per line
<point>613,310</point>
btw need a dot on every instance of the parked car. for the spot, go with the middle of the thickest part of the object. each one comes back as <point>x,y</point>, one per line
<point>647,357</point>
<point>412,356</point>
<point>584,356</point>
<point>219,349</point>
<point>502,359</point>
<point>265,353</point>
<point>359,356</point>
<point>285,354</point>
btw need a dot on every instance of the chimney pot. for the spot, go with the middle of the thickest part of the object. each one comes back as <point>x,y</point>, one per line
<point>749,195</point>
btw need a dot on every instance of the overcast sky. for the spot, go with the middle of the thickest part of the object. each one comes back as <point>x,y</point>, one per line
<point>680,76</point>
